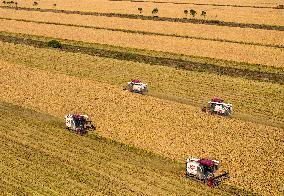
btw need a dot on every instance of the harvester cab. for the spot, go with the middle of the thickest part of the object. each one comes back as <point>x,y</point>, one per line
<point>204,171</point>
<point>79,124</point>
<point>136,86</point>
<point>217,106</point>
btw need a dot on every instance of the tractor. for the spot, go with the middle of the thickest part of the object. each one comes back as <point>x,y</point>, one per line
<point>79,124</point>
<point>217,106</point>
<point>204,170</point>
<point>136,86</point>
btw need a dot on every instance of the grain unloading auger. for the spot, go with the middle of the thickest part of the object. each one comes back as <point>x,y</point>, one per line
<point>136,86</point>
<point>79,124</point>
<point>205,170</point>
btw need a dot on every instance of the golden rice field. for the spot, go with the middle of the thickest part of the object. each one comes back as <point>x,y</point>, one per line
<point>39,157</point>
<point>195,30</point>
<point>251,152</point>
<point>232,14</point>
<point>205,48</point>
<point>257,99</point>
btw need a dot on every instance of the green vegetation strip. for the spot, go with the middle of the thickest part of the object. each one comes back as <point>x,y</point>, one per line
<point>141,17</point>
<point>147,33</point>
<point>142,58</point>
<point>39,157</point>
<point>186,3</point>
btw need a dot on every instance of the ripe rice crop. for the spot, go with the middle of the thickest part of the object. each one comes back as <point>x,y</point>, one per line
<point>39,157</point>
<point>256,99</point>
<point>195,30</point>
<point>205,48</point>
<point>168,128</point>
<point>233,14</point>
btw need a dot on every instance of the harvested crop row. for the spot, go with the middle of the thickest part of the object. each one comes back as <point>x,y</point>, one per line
<point>227,51</point>
<point>39,157</point>
<point>165,127</point>
<point>258,99</point>
<point>193,30</point>
<point>232,14</point>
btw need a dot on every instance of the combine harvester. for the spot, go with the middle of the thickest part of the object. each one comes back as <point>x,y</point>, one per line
<point>79,124</point>
<point>217,106</point>
<point>136,86</point>
<point>204,170</point>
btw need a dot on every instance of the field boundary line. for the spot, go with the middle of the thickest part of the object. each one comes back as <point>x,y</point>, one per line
<point>207,4</point>
<point>146,33</point>
<point>163,61</point>
<point>141,17</point>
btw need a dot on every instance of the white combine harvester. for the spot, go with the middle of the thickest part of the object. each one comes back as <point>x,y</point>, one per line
<point>217,106</point>
<point>80,124</point>
<point>136,86</point>
<point>204,171</point>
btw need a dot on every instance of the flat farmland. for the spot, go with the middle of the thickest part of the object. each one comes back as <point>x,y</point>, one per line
<point>168,128</point>
<point>244,35</point>
<point>228,51</point>
<point>39,157</point>
<point>232,14</point>
<point>257,99</point>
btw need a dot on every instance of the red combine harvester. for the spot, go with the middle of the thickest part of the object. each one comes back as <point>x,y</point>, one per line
<point>136,86</point>
<point>217,106</point>
<point>204,170</point>
<point>79,124</point>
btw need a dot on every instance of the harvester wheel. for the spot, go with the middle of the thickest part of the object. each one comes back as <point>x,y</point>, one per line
<point>210,182</point>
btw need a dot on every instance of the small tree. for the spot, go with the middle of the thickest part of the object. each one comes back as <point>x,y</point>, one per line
<point>203,13</point>
<point>185,12</point>
<point>192,12</point>
<point>4,2</point>
<point>155,11</point>
<point>54,5</point>
<point>35,3</point>
<point>54,44</point>
<point>16,4</point>
<point>140,10</point>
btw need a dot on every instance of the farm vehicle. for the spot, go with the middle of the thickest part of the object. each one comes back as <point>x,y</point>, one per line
<point>136,86</point>
<point>79,124</point>
<point>217,106</point>
<point>204,170</point>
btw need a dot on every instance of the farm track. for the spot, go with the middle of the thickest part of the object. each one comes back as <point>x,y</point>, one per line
<point>207,4</point>
<point>141,17</point>
<point>177,63</point>
<point>147,33</point>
